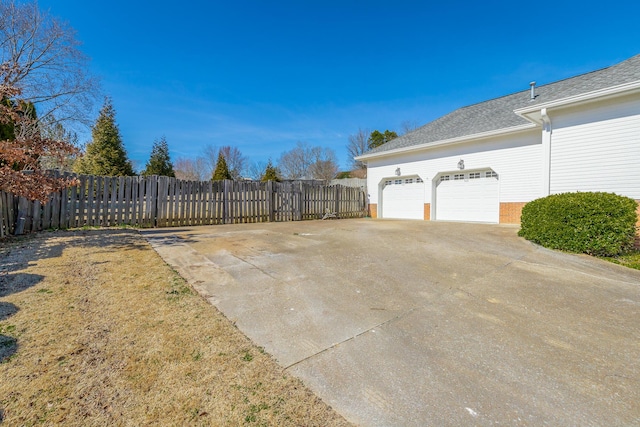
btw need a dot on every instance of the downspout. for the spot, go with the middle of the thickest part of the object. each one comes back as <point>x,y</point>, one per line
<point>546,152</point>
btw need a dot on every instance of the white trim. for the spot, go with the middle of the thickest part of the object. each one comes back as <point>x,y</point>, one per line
<point>451,141</point>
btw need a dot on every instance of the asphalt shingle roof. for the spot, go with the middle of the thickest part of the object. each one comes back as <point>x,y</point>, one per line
<point>499,113</point>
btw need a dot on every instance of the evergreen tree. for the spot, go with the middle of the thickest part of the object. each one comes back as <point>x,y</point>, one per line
<point>159,162</point>
<point>23,109</point>
<point>7,132</point>
<point>270,173</point>
<point>222,170</point>
<point>105,154</point>
<point>378,138</point>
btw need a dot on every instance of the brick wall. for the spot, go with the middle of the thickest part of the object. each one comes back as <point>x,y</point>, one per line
<point>427,211</point>
<point>510,212</point>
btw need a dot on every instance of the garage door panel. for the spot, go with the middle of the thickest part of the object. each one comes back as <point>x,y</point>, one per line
<point>403,199</point>
<point>466,199</point>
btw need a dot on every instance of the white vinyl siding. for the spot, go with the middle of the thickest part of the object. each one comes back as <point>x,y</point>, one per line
<point>597,149</point>
<point>517,159</point>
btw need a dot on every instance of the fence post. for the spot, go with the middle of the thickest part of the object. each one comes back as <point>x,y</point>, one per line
<point>5,219</point>
<point>270,201</point>
<point>225,202</point>
<point>337,207</point>
<point>300,201</point>
<point>21,219</point>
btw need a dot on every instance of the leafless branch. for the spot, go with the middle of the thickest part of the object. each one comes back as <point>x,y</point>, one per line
<point>358,145</point>
<point>47,63</point>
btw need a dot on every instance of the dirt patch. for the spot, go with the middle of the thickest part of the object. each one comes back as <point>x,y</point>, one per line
<point>96,329</point>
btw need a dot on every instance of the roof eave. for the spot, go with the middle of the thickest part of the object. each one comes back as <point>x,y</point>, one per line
<point>450,141</point>
<point>533,113</point>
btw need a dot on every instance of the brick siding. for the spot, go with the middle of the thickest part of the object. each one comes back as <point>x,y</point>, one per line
<point>510,212</point>
<point>373,210</point>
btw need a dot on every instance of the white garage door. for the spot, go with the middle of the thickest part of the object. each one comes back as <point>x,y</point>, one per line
<point>468,196</point>
<point>403,198</point>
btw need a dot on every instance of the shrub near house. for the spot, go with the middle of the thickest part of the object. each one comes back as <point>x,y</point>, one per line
<point>602,224</point>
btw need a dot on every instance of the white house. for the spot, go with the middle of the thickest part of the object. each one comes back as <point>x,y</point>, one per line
<point>484,162</point>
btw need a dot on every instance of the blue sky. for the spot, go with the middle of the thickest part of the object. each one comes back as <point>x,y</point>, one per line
<point>262,76</point>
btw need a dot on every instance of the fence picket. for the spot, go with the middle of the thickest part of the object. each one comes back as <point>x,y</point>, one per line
<point>164,202</point>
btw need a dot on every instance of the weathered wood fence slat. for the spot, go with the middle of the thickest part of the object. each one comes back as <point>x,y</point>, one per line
<point>167,202</point>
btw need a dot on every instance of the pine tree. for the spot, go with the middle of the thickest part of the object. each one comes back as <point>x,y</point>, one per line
<point>222,170</point>
<point>270,173</point>
<point>159,162</point>
<point>24,109</point>
<point>378,138</point>
<point>105,154</point>
<point>7,130</point>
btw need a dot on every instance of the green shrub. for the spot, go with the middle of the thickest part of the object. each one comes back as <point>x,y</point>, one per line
<point>602,224</point>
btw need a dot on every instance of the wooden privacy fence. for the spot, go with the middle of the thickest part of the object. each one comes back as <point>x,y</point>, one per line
<point>168,202</point>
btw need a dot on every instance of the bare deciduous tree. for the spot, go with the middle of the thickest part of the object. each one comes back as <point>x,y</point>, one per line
<point>294,164</point>
<point>305,162</point>
<point>408,126</point>
<point>256,170</point>
<point>192,169</point>
<point>235,161</point>
<point>58,132</point>
<point>358,145</point>
<point>210,158</point>
<point>46,63</point>
<point>324,169</point>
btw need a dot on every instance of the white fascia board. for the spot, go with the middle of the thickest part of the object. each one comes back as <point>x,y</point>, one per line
<point>450,141</point>
<point>533,113</point>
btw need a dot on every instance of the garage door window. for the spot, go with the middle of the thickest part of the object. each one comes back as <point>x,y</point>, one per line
<point>474,175</point>
<point>490,174</point>
<point>408,181</point>
<point>398,181</point>
<point>418,180</point>
<point>388,182</point>
<point>445,178</point>
<point>458,176</point>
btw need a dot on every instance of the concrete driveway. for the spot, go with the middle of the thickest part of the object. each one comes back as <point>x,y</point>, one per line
<point>400,323</point>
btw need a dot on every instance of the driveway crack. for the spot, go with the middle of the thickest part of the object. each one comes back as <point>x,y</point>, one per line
<point>256,267</point>
<point>386,322</point>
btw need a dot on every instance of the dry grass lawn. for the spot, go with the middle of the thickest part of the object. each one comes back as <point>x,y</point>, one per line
<point>95,329</point>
